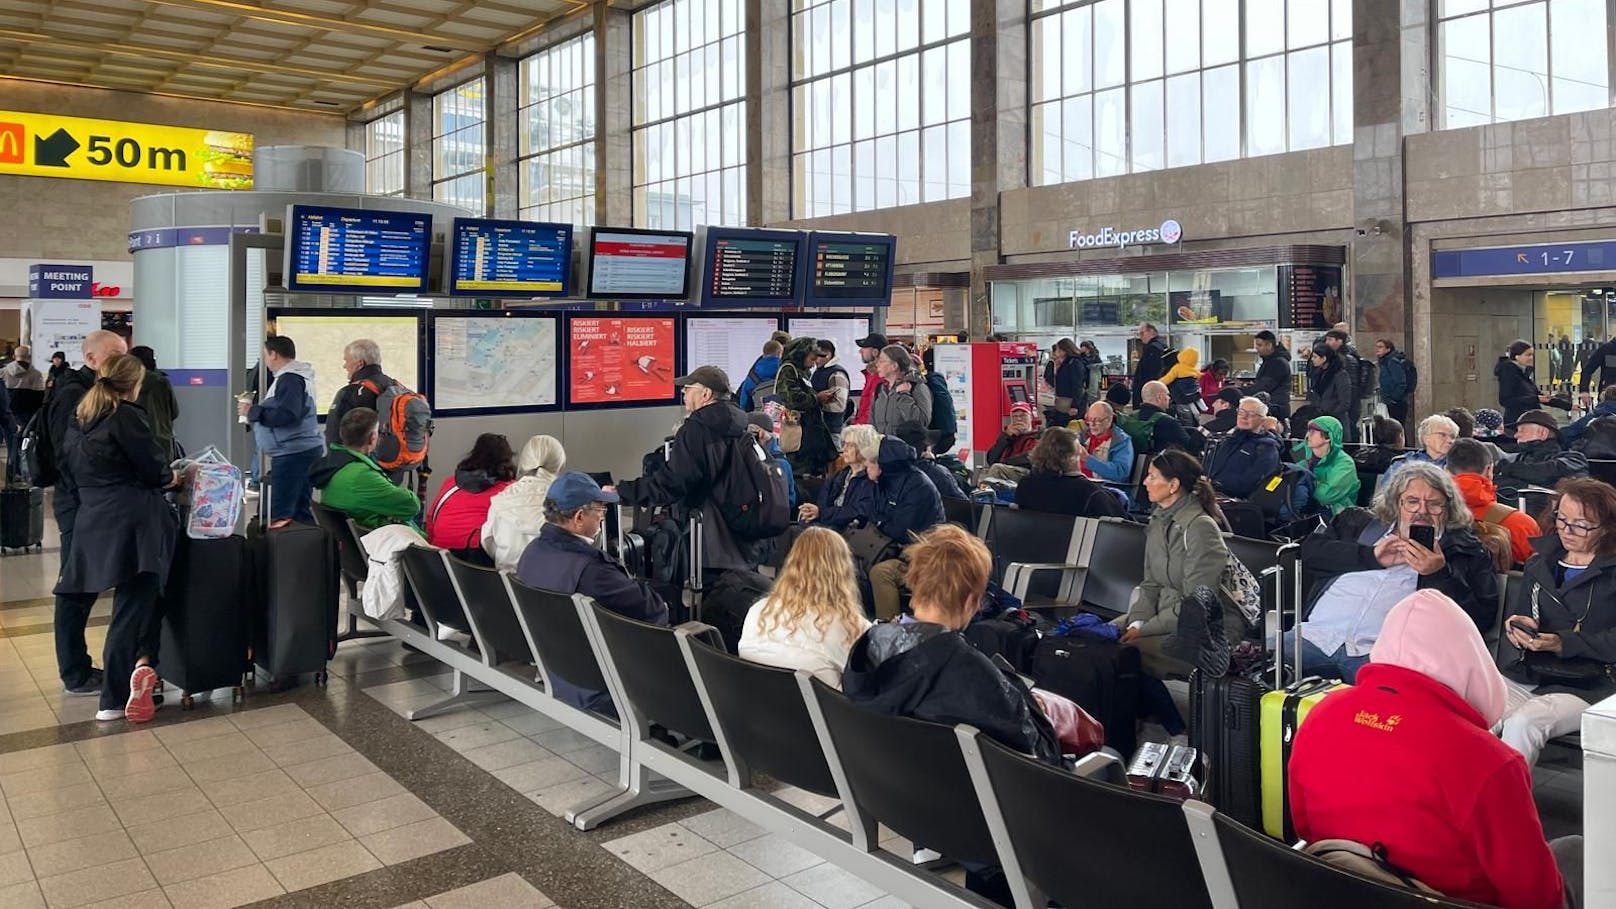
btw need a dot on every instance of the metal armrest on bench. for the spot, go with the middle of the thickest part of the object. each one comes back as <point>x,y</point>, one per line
<point>1018,577</point>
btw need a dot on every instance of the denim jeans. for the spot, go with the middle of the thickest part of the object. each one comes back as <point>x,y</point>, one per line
<point>1337,665</point>
<point>290,491</point>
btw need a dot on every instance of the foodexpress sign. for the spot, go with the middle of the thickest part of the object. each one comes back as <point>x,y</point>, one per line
<point>1169,232</point>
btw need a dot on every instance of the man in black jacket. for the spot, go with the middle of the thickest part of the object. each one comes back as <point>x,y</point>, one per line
<point>1539,459</point>
<point>565,559</point>
<point>1151,360</point>
<point>1601,359</point>
<point>1357,371</point>
<point>79,675</point>
<point>701,451</point>
<point>1247,456</point>
<point>1225,412</point>
<point>362,360</point>
<point>1273,375</point>
<point>1168,432</point>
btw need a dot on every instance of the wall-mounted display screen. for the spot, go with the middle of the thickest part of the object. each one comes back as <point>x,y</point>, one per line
<point>750,267</point>
<point>731,344</point>
<point>620,359</point>
<point>850,269</point>
<point>844,333</point>
<point>499,362</point>
<point>320,340</point>
<point>350,250</point>
<point>629,264</point>
<point>510,258</point>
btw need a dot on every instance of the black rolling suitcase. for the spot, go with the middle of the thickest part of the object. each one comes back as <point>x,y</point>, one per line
<point>295,630</point>
<point>1101,676</point>
<point>729,600</point>
<point>1223,728</point>
<point>207,606</point>
<point>22,517</point>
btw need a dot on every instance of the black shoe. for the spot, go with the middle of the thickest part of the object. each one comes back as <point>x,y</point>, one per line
<point>90,685</point>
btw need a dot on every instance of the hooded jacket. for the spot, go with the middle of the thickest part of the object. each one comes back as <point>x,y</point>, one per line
<point>905,500</point>
<point>1541,463</point>
<point>848,496</point>
<point>1188,366</point>
<point>762,372</point>
<point>1274,380</point>
<point>157,399</point>
<point>128,529</point>
<point>1330,390</point>
<point>1517,391</point>
<point>1335,476</point>
<point>1243,460</point>
<point>1573,432</point>
<point>284,422</point>
<point>1449,801</point>
<point>1150,365</point>
<point>893,408</point>
<point>1588,602</point>
<point>350,482</point>
<point>701,452</point>
<point>1013,450</point>
<point>926,672</point>
<point>455,520</point>
<point>1480,496</point>
<point>1394,378</point>
<point>70,388</point>
<point>1184,549</point>
<point>1067,494</point>
<point>515,517</point>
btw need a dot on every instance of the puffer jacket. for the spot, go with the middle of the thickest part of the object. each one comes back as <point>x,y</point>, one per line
<point>455,520</point>
<point>515,517</point>
<point>1335,476</point>
<point>1542,463</point>
<point>1274,380</point>
<point>906,502</point>
<point>350,482</point>
<point>1188,366</point>
<point>284,422</point>
<point>1242,460</point>
<point>1330,390</point>
<point>907,400</point>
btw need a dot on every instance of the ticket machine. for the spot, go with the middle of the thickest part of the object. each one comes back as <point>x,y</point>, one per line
<point>984,380</point>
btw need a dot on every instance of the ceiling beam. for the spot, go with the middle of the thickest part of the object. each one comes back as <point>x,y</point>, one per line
<point>325,23</point>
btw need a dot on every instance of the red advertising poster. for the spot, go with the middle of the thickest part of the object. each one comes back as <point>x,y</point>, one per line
<point>622,360</point>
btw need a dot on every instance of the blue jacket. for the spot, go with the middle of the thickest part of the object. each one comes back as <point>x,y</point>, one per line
<point>791,477</point>
<point>905,501</point>
<point>1242,461</point>
<point>1118,464</point>
<point>858,504</point>
<point>763,371</point>
<point>1574,431</point>
<point>1418,456</point>
<point>1394,378</point>
<point>285,421</point>
<point>560,561</point>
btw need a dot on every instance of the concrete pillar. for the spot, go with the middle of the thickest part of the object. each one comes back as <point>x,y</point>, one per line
<point>768,111</point>
<point>998,133</point>
<point>1390,100</point>
<point>502,137</point>
<point>614,116</point>
<point>417,145</point>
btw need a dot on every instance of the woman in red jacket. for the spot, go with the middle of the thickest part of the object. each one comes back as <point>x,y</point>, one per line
<point>1450,803</point>
<point>455,520</point>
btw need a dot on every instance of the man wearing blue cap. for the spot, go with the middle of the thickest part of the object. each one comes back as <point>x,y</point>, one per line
<point>565,558</point>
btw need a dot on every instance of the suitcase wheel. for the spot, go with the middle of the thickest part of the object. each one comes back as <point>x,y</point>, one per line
<point>320,678</point>
<point>187,702</point>
<point>238,693</point>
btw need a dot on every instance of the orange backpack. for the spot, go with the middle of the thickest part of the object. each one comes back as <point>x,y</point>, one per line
<point>406,426</point>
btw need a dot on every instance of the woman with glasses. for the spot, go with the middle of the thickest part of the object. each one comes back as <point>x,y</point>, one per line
<point>1437,434</point>
<point>1559,653</point>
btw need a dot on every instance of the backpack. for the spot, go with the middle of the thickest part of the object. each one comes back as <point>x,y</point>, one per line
<point>406,426</point>
<point>1496,538</point>
<point>1143,432</point>
<point>34,449</point>
<point>1285,496</point>
<point>943,418</point>
<point>751,493</point>
<point>761,388</point>
<point>1186,390</point>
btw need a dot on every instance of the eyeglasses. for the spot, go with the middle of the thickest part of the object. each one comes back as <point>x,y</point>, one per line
<point>1580,529</point>
<point>1443,434</point>
<point>1254,414</point>
<point>1427,506</point>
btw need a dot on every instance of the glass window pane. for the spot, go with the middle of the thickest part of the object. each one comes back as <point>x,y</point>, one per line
<point>1184,120</point>
<point>959,80</point>
<point>1145,38</point>
<point>1183,19</point>
<point>908,102</point>
<point>1220,35</point>
<point>1265,27</point>
<point>1110,134</point>
<point>1341,20</point>
<point>908,168</point>
<point>840,109</point>
<point>1306,23</point>
<point>863,31</point>
<point>1309,98</point>
<point>1521,62</point>
<point>1466,70</point>
<point>934,86</point>
<point>1220,113</point>
<point>1047,59</point>
<point>1046,143</point>
<point>1109,33</point>
<point>1265,106</point>
<point>1077,27</point>
<point>841,48</point>
<point>934,166</point>
<point>908,36</point>
<point>1341,92</point>
<point>1445,8</point>
<point>863,103</point>
<point>1077,147</point>
<point>886,40</point>
<point>1578,55</point>
<point>1146,132</point>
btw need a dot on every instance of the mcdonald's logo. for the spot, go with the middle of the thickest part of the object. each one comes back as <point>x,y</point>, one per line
<point>13,141</point>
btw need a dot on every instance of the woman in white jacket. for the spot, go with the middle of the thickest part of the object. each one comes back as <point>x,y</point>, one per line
<point>516,515</point>
<point>812,617</point>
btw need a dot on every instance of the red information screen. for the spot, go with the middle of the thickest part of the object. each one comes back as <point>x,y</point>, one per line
<point>618,360</point>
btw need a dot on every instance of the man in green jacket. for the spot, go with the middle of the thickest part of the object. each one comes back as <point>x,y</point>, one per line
<point>1335,475</point>
<point>350,482</point>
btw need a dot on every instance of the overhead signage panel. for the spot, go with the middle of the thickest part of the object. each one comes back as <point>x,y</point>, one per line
<point>1535,259</point>
<point>79,148</point>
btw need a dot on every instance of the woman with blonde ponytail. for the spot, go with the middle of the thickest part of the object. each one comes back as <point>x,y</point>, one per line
<point>125,530</point>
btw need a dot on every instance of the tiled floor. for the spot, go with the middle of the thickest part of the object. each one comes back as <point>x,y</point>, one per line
<point>508,891</point>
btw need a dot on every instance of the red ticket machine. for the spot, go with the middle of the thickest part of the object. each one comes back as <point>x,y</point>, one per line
<point>984,380</point>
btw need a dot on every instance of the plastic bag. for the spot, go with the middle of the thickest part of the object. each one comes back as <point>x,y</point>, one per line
<point>211,497</point>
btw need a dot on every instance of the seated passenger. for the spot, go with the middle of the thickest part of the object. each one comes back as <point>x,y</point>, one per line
<point>925,669</point>
<point>1560,654</point>
<point>350,482</point>
<point>1539,459</point>
<point>1156,421</point>
<point>1247,456</point>
<point>1057,485</point>
<point>516,515</point>
<point>813,614</point>
<point>922,441</point>
<point>1437,434</point>
<point>1471,463</point>
<point>455,521</point>
<point>1388,438</point>
<point>848,494</point>
<point>1404,761</point>
<point>1489,424</point>
<point>1008,458</point>
<point>1572,432</point>
<point>1465,420</point>
<point>1225,411</point>
<point>1367,561</point>
<point>1335,476</point>
<point>906,505</point>
<point>565,559</point>
<point>1107,450</point>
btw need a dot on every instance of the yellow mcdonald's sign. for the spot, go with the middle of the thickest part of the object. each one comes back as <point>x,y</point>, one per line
<point>79,148</point>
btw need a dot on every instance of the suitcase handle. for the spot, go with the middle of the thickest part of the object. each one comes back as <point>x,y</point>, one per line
<point>1296,593</point>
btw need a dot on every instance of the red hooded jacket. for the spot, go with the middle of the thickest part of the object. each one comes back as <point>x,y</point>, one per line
<point>1405,759</point>
<point>458,522</point>
<point>866,398</point>
<point>1480,494</point>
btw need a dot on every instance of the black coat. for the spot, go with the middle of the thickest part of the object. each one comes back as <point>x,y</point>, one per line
<point>1168,433</point>
<point>127,527</point>
<point>905,500</point>
<point>1150,366</point>
<point>354,395</point>
<point>927,672</point>
<point>1330,390</point>
<point>1060,494</point>
<point>1594,361</point>
<point>63,401</point>
<point>1542,463</point>
<point>1242,461</point>
<point>1071,379</point>
<point>701,451</point>
<point>1517,391</point>
<point>1274,380</point>
<point>560,561</point>
<point>1590,599</point>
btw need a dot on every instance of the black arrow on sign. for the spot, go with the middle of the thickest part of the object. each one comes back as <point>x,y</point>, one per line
<point>52,151</point>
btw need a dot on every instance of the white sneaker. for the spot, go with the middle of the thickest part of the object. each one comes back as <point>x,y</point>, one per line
<point>105,716</point>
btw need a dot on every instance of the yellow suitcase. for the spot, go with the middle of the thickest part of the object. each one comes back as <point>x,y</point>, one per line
<point>1280,714</point>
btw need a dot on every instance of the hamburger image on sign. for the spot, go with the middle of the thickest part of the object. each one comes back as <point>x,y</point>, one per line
<point>226,161</point>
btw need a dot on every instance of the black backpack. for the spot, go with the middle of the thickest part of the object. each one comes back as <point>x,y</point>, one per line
<point>943,418</point>
<point>751,494</point>
<point>35,449</point>
<point>1412,375</point>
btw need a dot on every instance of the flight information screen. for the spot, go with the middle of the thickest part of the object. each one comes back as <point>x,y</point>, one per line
<point>849,268</point>
<point>639,265</point>
<point>342,249</point>
<point>510,258</point>
<point>758,266</point>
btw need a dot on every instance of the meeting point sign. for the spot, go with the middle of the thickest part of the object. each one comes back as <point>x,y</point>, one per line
<point>79,148</point>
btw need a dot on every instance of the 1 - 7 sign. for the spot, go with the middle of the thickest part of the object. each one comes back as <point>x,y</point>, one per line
<point>79,148</point>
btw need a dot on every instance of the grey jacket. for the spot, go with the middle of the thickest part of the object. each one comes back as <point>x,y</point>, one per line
<point>893,408</point>
<point>1184,549</point>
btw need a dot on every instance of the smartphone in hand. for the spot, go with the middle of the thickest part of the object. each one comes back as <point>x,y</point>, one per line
<point>1527,630</point>
<point>1423,534</point>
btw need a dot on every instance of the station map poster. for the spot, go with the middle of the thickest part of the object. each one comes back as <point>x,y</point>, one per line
<point>482,362</point>
<point>844,333</point>
<point>320,340</point>
<point>621,360</point>
<point>732,345</point>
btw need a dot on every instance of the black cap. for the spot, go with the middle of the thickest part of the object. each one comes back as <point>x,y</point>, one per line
<point>709,377</point>
<point>875,341</point>
<point>1231,395</point>
<point>1539,417</point>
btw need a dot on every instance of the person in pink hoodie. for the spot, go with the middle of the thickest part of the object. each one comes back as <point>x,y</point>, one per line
<point>1406,760</point>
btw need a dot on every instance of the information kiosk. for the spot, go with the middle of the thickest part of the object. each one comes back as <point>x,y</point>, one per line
<point>985,379</point>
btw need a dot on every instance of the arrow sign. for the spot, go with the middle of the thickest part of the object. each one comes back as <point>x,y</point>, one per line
<point>52,151</point>
<point>1520,257</point>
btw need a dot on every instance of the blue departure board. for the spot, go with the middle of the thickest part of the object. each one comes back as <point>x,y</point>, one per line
<point>743,266</point>
<point>350,250</point>
<point>510,258</point>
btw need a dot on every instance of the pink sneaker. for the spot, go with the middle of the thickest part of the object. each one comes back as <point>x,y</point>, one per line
<point>141,685</point>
